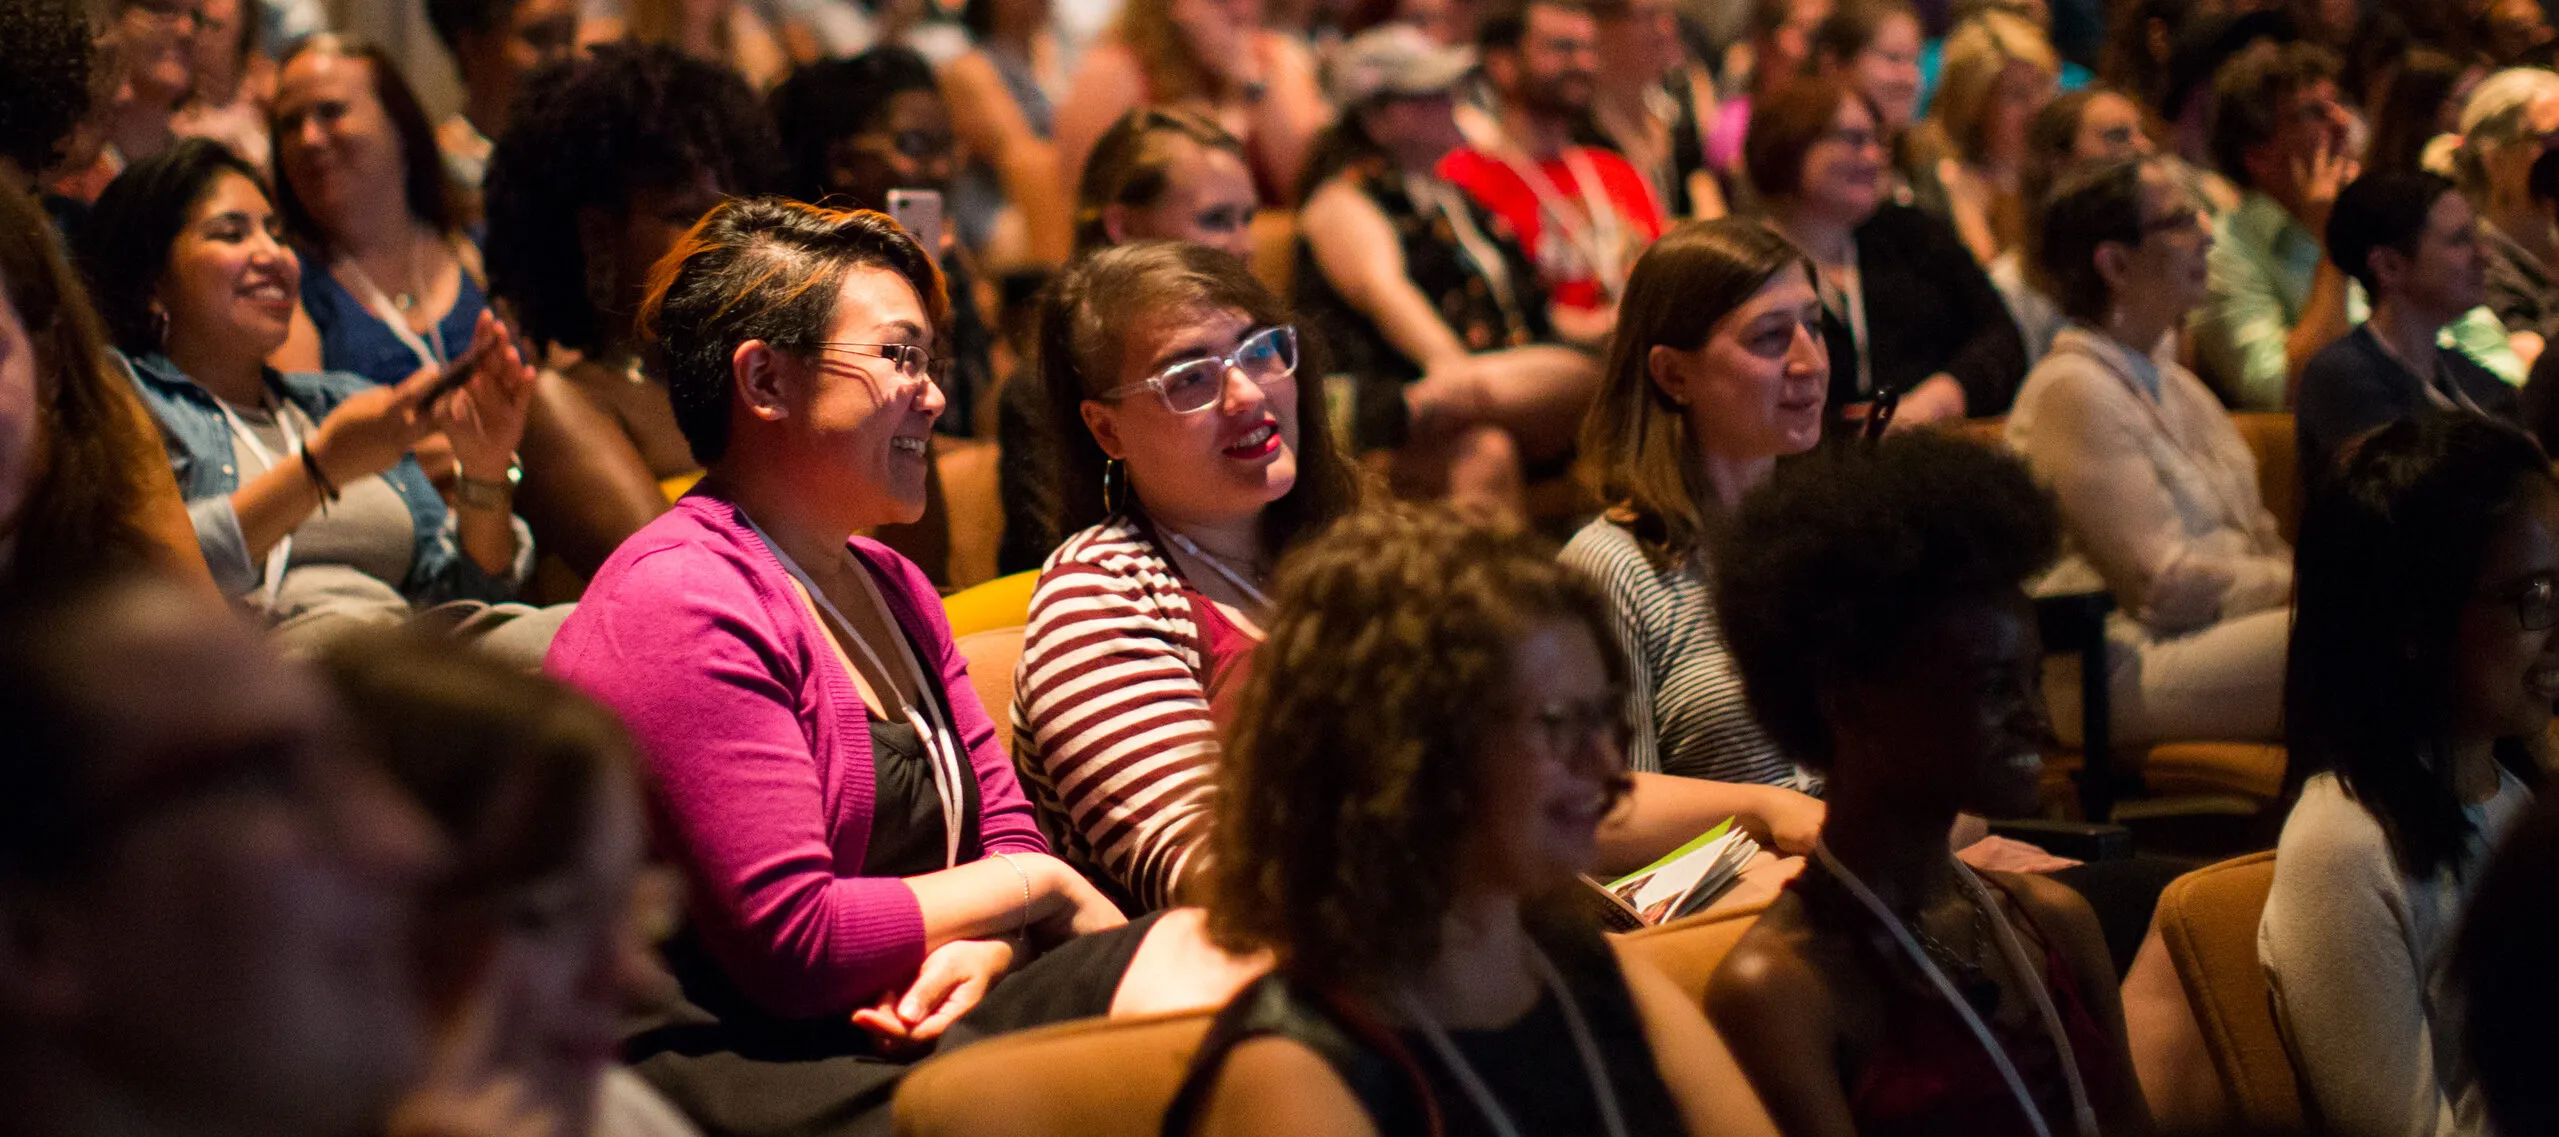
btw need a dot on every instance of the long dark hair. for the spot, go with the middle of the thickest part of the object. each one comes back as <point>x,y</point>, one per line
<point>133,231</point>
<point>1636,448</point>
<point>1082,318</point>
<point>430,195</point>
<point>94,443</point>
<point>2390,555</point>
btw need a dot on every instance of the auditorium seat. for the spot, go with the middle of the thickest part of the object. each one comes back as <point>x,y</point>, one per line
<point>1004,602</point>
<point>1090,1078</point>
<point>2207,920</point>
<point>992,656</point>
<point>1115,1077</point>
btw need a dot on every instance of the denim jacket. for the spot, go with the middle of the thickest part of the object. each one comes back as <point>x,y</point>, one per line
<point>199,442</point>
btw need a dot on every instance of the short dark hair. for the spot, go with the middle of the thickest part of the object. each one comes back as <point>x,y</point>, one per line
<point>1853,26</point>
<point>454,19</point>
<point>835,99</point>
<point>2390,555</point>
<point>509,766</point>
<point>133,230</point>
<point>762,268</point>
<point>45,62</point>
<point>1354,770</point>
<point>1505,27</point>
<point>1787,124</point>
<point>591,132</point>
<point>429,192</point>
<point>2088,209</point>
<point>2385,209</point>
<point>1083,316</point>
<point>1830,569</point>
<point>2248,93</point>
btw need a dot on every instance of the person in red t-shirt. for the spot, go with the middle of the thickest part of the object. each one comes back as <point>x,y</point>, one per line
<point>1582,213</point>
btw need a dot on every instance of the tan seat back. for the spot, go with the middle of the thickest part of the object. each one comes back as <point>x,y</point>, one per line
<point>1092,1078</point>
<point>975,507</point>
<point>1690,950</point>
<point>2270,438</point>
<point>2207,920</point>
<point>992,657</point>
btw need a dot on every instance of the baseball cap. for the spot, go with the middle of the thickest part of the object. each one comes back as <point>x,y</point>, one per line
<point>1395,60</point>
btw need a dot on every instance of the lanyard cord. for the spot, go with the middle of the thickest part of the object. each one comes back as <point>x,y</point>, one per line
<point>941,743</point>
<point>430,349</point>
<point>1601,242</point>
<point>2015,952</point>
<point>273,587</point>
<point>1477,248</point>
<point>1610,1115</point>
<point>1232,577</point>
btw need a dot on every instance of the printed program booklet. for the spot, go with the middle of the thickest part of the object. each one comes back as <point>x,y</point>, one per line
<point>1680,884</point>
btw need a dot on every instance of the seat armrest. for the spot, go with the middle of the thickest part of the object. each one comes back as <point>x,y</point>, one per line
<point>2077,840</point>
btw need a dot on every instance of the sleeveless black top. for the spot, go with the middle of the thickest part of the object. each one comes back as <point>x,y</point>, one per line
<point>1532,1066</point>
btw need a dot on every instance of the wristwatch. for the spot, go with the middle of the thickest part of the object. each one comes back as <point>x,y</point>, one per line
<point>488,493</point>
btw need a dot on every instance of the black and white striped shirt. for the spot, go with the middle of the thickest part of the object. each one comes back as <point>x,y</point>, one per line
<point>1691,718</point>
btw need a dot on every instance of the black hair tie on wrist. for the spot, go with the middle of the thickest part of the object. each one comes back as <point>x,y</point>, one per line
<point>328,489</point>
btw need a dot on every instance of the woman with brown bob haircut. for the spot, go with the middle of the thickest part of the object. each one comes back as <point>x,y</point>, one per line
<point>1416,779</point>
<point>1718,370</point>
<point>861,862</point>
<point>84,485</point>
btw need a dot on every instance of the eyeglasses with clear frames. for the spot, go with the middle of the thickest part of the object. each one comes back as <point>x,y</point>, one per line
<point>913,363</point>
<point>1267,357</point>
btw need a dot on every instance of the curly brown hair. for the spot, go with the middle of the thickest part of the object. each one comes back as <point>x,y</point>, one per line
<point>1353,766</point>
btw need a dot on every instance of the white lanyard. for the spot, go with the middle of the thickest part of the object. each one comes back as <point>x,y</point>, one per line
<point>1232,577</point>
<point>941,743</point>
<point>1472,244</point>
<point>429,350</point>
<point>2015,952</point>
<point>1495,1116</point>
<point>1601,243</point>
<point>267,460</point>
<point>1851,312</point>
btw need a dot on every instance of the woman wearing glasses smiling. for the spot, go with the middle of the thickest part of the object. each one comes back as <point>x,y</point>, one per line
<point>1190,456</point>
<point>861,860</point>
<point>2424,664</point>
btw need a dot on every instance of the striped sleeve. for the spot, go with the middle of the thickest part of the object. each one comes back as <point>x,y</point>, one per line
<point>1113,719</point>
<point>1599,560</point>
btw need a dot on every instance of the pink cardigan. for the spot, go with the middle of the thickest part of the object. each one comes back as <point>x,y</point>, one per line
<point>759,752</point>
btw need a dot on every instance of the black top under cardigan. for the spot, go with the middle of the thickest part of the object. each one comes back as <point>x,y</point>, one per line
<point>1929,308</point>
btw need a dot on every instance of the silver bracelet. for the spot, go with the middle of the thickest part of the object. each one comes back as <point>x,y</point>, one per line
<point>1026,894</point>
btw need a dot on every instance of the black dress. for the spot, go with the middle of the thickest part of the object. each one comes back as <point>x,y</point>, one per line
<point>1532,1065</point>
<point>739,1070</point>
<point>1485,315</point>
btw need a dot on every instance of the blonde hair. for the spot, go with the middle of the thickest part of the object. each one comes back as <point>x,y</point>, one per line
<point>2493,117</point>
<point>1173,72</point>
<point>1977,54</point>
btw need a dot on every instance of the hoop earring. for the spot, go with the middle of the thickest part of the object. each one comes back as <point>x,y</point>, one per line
<point>160,327</point>
<point>1114,486</point>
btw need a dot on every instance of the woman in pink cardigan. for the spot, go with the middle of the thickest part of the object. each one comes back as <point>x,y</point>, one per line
<point>862,864</point>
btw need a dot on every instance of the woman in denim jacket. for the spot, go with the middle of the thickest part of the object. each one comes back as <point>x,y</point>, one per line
<point>304,493</point>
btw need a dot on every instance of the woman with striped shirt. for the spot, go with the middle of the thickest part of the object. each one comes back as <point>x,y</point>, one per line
<point>1189,457</point>
<point>1718,370</point>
